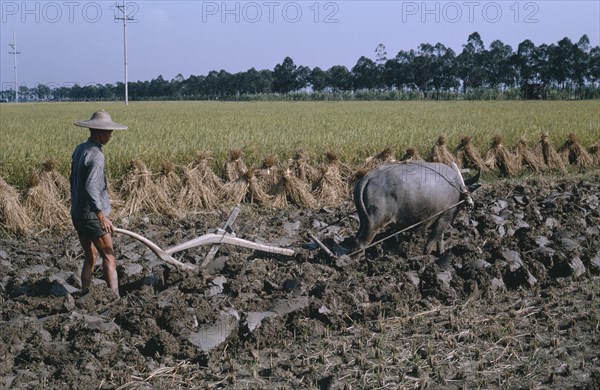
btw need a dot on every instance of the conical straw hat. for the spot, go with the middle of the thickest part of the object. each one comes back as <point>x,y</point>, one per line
<point>100,120</point>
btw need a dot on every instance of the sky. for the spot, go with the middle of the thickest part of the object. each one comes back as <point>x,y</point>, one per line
<point>65,42</point>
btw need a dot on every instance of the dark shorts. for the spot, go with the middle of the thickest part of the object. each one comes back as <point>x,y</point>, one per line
<point>88,227</point>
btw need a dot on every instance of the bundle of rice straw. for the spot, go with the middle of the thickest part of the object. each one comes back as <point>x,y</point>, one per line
<point>551,158</point>
<point>573,153</point>
<point>268,174</point>
<point>256,191</point>
<point>13,217</point>
<point>235,166</point>
<point>52,180</point>
<point>331,190</point>
<point>203,171</point>
<point>44,206</point>
<point>467,156</point>
<point>294,189</point>
<point>595,153</point>
<point>440,152</point>
<point>411,155</point>
<point>386,155</point>
<point>140,193</point>
<point>246,187</point>
<point>235,191</point>
<point>169,181</point>
<point>302,169</point>
<point>345,170</point>
<point>524,156</point>
<point>499,157</point>
<point>196,192</point>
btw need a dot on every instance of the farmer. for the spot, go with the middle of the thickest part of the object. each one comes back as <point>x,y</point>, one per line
<point>90,204</point>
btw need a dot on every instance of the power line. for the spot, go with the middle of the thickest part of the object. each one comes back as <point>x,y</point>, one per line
<point>125,18</point>
<point>14,53</point>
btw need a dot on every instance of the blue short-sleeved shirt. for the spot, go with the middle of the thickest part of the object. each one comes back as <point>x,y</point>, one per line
<point>89,191</point>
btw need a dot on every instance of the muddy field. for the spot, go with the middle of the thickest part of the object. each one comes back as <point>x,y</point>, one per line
<point>513,303</point>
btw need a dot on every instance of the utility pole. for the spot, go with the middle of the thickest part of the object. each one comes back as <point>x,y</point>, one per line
<point>125,18</point>
<point>14,53</point>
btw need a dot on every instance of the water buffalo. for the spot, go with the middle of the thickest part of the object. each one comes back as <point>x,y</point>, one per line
<point>407,193</point>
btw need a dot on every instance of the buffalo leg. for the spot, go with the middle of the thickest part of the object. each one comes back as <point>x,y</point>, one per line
<point>437,235</point>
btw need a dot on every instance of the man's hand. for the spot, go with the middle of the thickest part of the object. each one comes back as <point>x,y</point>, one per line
<point>106,224</point>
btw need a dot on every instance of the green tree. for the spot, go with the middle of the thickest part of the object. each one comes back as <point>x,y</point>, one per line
<point>471,63</point>
<point>284,77</point>
<point>43,92</point>
<point>318,79</point>
<point>340,78</point>
<point>525,62</point>
<point>500,70</point>
<point>365,74</point>
<point>594,65</point>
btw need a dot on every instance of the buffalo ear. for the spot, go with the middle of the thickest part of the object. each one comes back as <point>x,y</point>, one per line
<point>473,187</point>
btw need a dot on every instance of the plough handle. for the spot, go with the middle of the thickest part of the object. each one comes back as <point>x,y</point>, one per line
<point>156,249</point>
<point>212,238</point>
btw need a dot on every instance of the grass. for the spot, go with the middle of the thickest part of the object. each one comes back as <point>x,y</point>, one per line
<point>176,131</point>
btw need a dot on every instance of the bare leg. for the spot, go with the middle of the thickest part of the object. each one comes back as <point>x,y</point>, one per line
<point>109,264</point>
<point>87,270</point>
<point>91,247</point>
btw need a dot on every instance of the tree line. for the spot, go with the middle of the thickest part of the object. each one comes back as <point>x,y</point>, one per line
<point>562,70</point>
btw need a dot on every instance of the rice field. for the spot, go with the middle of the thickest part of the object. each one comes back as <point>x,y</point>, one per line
<point>176,131</point>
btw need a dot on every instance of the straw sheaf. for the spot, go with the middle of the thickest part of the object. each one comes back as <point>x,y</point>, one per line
<point>46,200</point>
<point>467,156</point>
<point>268,174</point>
<point>525,157</point>
<point>549,154</point>
<point>235,191</point>
<point>169,181</point>
<point>45,208</point>
<point>331,190</point>
<point>196,193</point>
<point>386,155</point>
<point>141,194</point>
<point>256,192</point>
<point>302,169</point>
<point>440,152</point>
<point>346,171</point>
<point>498,157</point>
<point>47,176</point>
<point>203,173</point>
<point>13,216</point>
<point>290,188</point>
<point>235,166</point>
<point>573,153</point>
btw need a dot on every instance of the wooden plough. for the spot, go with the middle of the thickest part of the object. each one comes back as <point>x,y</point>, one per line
<point>222,236</point>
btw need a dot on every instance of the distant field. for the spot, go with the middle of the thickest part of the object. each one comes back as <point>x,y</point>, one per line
<point>161,131</point>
